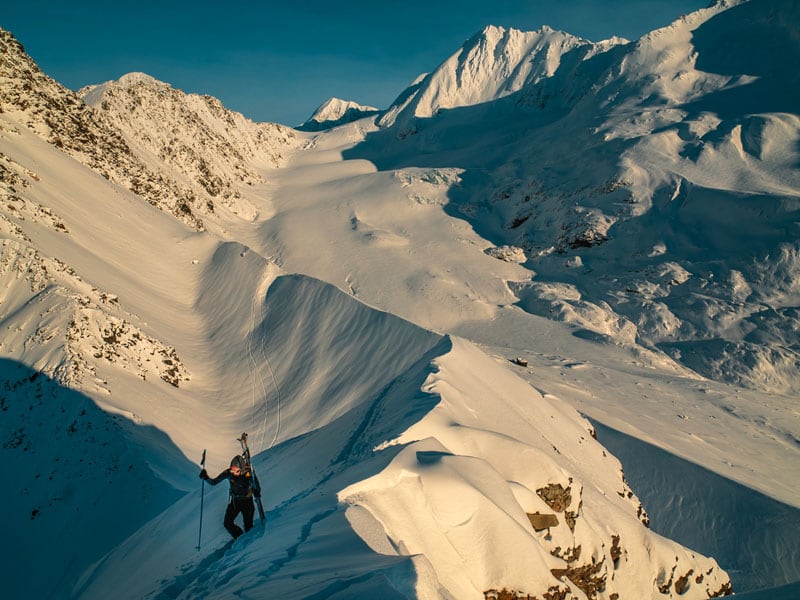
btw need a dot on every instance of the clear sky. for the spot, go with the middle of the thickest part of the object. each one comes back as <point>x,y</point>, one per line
<point>278,61</point>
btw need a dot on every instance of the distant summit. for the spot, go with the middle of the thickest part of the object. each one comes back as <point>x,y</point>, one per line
<point>335,111</point>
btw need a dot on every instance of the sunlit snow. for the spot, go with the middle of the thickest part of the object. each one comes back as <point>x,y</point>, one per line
<point>442,324</point>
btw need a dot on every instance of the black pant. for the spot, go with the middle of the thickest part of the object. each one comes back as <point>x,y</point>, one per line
<point>239,504</point>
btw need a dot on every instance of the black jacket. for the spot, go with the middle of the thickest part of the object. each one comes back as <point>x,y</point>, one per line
<point>243,485</point>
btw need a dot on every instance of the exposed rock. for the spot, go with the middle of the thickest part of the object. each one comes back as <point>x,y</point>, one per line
<point>507,254</point>
<point>216,151</point>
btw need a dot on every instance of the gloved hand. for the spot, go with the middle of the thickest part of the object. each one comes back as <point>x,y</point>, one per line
<point>204,475</point>
<point>257,493</point>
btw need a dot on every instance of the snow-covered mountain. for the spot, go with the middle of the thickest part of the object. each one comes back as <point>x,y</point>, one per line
<point>414,492</point>
<point>334,112</point>
<point>215,152</point>
<point>652,187</point>
<point>58,116</point>
<point>619,218</point>
<point>493,64</point>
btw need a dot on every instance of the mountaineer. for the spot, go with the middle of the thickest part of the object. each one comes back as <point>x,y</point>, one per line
<point>244,486</point>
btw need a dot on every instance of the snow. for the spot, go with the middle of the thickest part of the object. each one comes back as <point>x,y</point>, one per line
<point>495,63</point>
<point>413,316</point>
<point>745,530</point>
<point>94,94</point>
<point>461,450</point>
<point>429,492</point>
<point>334,112</point>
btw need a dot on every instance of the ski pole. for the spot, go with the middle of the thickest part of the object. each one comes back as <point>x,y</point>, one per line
<point>202,494</point>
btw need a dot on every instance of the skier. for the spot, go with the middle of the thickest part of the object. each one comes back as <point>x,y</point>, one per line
<point>244,486</point>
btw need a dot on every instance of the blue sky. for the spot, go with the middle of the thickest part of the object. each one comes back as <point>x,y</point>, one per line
<point>278,61</point>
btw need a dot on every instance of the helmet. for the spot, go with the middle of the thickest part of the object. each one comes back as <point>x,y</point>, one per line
<point>237,461</point>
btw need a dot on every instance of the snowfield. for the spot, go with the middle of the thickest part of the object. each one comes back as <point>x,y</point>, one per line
<point>530,331</point>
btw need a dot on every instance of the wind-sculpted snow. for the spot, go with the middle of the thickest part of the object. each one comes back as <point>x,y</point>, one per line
<point>614,224</point>
<point>289,346</point>
<point>420,488</point>
<point>494,450</point>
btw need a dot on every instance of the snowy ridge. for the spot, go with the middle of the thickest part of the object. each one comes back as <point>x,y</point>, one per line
<point>454,475</point>
<point>440,475</point>
<point>216,152</point>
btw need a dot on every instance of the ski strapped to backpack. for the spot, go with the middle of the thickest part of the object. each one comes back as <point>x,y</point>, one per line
<point>202,494</point>
<point>246,457</point>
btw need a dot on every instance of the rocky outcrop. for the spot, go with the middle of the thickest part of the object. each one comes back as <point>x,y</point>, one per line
<point>215,152</point>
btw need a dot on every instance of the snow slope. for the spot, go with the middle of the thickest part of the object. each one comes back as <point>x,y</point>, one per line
<point>652,188</point>
<point>751,534</point>
<point>621,217</point>
<point>420,471</point>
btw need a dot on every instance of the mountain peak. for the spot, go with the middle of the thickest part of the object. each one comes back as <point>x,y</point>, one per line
<point>218,152</point>
<point>7,38</point>
<point>93,94</point>
<point>498,31</point>
<point>492,64</point>
<point>335,111</point>
<point>137,77</point>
